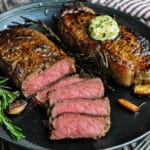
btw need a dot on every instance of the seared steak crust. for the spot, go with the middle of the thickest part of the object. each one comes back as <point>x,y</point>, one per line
<point>24,51</point>
<point>128,56</point>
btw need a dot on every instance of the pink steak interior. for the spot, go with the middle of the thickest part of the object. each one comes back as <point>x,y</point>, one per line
<point>39,80</point>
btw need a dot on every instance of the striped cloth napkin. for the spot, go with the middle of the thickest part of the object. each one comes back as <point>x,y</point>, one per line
<point>136,8</point>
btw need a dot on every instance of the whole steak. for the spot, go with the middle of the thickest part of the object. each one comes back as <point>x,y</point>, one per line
<point>128,56</point>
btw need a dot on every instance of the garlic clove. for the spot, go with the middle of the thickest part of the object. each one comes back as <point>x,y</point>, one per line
<point>16,107</point>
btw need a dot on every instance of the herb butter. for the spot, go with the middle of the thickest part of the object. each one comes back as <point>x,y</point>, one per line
<point>103,28</point>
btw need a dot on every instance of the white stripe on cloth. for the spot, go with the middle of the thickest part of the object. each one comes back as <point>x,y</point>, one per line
<point>136,8</point>
<point>140,10</point>
<point>143,12</point>
<point>94,1</point>
<point>133,7</point>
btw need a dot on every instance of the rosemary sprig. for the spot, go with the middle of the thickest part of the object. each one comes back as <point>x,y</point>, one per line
<point>3,80</point>
<point>6,97</point>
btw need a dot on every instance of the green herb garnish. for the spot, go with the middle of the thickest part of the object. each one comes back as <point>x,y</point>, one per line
<point>6,97</point>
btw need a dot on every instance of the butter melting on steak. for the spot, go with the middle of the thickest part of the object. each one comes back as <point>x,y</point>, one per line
<point>31,60</point>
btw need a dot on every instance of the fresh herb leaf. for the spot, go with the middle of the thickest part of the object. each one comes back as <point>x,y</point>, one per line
<point>6,97</point>
<point>3,80</point>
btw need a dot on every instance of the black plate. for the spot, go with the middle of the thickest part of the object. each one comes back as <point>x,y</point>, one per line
<point>126,127</point>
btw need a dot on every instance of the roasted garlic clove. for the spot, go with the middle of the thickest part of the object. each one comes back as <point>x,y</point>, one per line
<point>142,89</point>
<point>16,107</point>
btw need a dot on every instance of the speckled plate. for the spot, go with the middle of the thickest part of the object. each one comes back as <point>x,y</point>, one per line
<point>125,127</point>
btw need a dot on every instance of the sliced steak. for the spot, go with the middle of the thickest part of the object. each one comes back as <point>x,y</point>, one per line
<point>90,88</point>
<point>38,80</point>
<point>96,107</point>
<point>31,60</point>
<point>70,125</point>
<point>42,97</point>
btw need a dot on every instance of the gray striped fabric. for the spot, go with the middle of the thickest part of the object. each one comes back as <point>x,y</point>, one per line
<point>136,8</point>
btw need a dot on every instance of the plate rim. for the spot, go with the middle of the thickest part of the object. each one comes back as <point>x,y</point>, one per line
<point>6,14</point>
<point>33,146</point>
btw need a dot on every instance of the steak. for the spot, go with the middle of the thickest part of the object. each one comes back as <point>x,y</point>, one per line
<point>41,96</point>
<point>96,107</point>
<point>90,89</point>
<point>70,125</point>
<point>31,60</point>
<point>128,56</point>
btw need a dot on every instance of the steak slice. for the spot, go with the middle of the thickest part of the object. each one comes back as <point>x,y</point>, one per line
<point>31,60</point>
<point>38,80</point>
<point>70,125</point>
<point>128,56</point>
<point>96,107</point>
<point>90,89</point>
<point>41,96</point>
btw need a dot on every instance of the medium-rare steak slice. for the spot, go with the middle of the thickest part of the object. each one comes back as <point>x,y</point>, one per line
<point>32,60</point>
<point>42,97</point>
<point>128,56</point>
<point>38,80</point>
<point>96,107</point>
<point>90,88</point>
<point>71,125</point>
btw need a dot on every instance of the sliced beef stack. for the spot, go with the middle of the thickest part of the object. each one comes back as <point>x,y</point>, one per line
<point>79,110</point>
